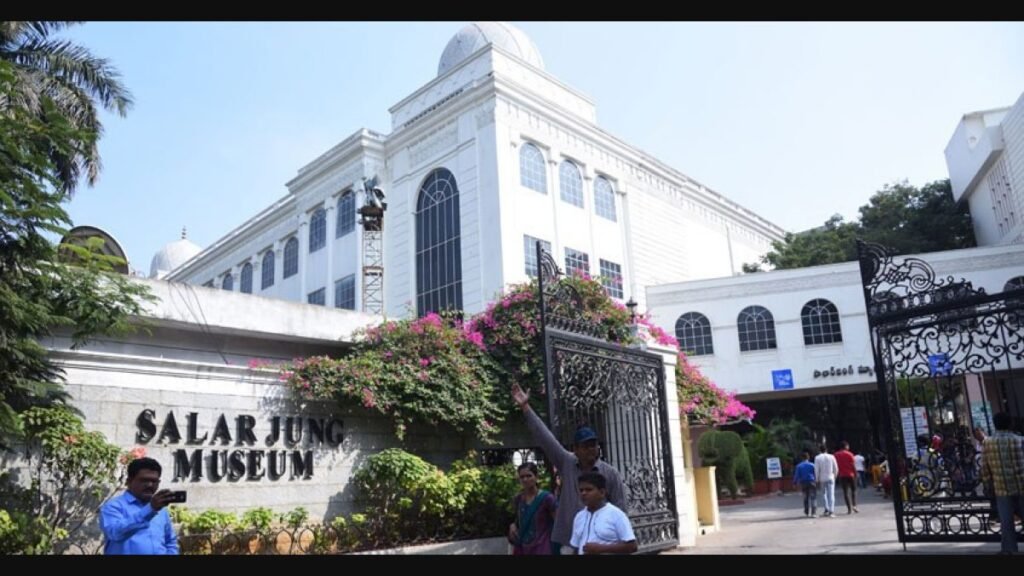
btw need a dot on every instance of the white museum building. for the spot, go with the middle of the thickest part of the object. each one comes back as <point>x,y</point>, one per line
<point>490,156</point>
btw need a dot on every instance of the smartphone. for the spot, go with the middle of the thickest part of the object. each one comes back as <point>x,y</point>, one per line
<point>178,496</point>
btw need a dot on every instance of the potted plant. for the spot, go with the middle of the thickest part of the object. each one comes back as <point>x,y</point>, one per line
<point>760,447</point>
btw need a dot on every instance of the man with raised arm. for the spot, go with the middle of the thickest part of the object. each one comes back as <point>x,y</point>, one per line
<point>571,465</point>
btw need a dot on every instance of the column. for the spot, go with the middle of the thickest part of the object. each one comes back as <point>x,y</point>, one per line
<point>303,254</point>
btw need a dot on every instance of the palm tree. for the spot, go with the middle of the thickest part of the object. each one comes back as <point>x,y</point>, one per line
<point>58,76</point>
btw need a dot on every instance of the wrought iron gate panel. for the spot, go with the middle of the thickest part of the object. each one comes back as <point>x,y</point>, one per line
<point>618,391</point>
<point>939,344</point>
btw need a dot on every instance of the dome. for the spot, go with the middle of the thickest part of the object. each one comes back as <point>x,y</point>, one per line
<point>80,235</point>
<point>171,256</point>
<point>479,34</point>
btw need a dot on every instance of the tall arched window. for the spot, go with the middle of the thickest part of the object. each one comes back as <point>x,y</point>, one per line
<point>267,270</point>
<point>531,168</point>
<point>694,334</point>
<point>570,183</point>
<point>317,230</point>
<point>820,320</point>
<point>291,257</point>
<point>438,245</point>
<point>346,219</point>
<point>228,283</point>
<point>756,328</point>
<point>246,286</point>
<point>604,198</point>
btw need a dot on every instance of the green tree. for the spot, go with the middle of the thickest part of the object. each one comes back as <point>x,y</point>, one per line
<point>913,220</point>
<point>827,244</point>
<point>54,76</point>
<point>38,294</point>
<point>908,219</point>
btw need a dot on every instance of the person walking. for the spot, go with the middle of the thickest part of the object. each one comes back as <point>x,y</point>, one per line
<point>825,471</point>
<point>803,477</point>
<point>1002,464</point>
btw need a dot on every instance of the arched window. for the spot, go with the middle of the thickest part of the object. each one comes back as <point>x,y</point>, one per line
<point>820,320</point>
<point>246,286</point>
<point>438,245</point>
<point>570,183</point>
<point>604,198</point>
<point>531,168</point>
<point>291,257</point>
<point>756,328</point>
<point>346,219</point>
<point>228,283</point>
<point>317,230</point>
<point>694,334</point>
<point>267,270</point>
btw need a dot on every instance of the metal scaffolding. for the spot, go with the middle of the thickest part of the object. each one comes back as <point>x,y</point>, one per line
<point>372,222</point>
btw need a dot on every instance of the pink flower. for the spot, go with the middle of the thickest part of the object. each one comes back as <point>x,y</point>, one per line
<point>368,399</point>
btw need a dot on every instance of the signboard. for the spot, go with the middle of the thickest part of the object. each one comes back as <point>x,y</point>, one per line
<point>915,423</point>
<point>774,468</point>
<point>981,415</point>
<point>782,379</point>
<point>939,365</point>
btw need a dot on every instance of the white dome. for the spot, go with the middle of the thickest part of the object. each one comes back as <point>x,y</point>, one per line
<point>479,34</point>
<point>171,256</point>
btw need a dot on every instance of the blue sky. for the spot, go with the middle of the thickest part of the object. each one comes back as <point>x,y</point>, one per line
<point>794,121</point>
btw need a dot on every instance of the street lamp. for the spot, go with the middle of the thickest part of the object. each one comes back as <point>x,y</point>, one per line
<point>631,304</point>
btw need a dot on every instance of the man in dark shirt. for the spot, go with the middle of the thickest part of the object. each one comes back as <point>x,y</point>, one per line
<point>571,465</point>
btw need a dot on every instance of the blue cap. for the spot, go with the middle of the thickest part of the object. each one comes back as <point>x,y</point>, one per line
<point>584,434</point>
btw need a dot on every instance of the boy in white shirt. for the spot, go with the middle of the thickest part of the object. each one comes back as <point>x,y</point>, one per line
<point>601,527</point>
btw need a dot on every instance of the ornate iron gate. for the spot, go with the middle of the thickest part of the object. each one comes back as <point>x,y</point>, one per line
<point>618,391</point>
<point>947,356</point>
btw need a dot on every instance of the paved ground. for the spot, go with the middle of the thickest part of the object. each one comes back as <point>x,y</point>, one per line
<point>777,525</point>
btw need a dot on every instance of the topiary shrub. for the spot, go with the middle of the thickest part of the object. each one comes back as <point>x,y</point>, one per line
<point>724,449</point>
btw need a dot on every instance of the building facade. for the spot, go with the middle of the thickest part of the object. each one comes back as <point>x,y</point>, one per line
<point>985,157</point>
<point>482,162</point>
<point>802,332</point>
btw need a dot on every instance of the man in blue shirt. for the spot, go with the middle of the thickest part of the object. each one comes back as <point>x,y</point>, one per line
<point>803,477</point>
<point>136,522</point>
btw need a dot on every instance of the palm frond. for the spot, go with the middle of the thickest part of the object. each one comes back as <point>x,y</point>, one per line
<point>64,60</point>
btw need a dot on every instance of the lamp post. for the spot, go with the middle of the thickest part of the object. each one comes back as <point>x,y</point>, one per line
<point>633,329</point>
<point>631,304</point>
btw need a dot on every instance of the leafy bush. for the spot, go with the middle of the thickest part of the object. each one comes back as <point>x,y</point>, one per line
<point>407,500</point>
<point>725,450</point>
<point>510,329</point>
<point>258,519</point>
<point>428,370</point>
<point>760,446</point>
<point>410,499</point>
<point>437,370</point>
<point>71,472</point>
